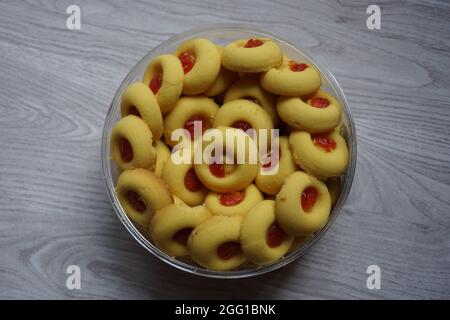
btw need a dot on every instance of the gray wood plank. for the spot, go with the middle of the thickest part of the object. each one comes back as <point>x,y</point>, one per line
<point>56,86</point>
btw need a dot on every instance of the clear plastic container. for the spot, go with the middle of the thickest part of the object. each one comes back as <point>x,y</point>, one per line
<point>223,34</point>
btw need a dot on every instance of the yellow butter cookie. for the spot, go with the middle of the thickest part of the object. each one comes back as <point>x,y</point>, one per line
<point>252,55</point>
<point>262,239</point>
<point>215,243</point>
<point>164,77</point>
<point>200,59</point>
<point>321,112</point>
<point>249,89</point>
<point>141,193</point>
<point>303,204</point>
<point>139,101</point>
<point>233,203</point>
<point>227,175</point>
<point>172,225</point>
<point>132,144</point>
<point>271,175</point>
<point>291,78</point>
<point>323,155</point>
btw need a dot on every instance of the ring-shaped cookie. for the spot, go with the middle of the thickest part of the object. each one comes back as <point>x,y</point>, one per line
<point>215,243</point>
<point>291,79</point>
<point>303,204</point>
<point>139,101</point>
<point>164,77</point>
<point>186,112</point>
<point>270,182</point>
<point>323,155</point>
<point>221,176</point>
<point>249,89</point>
<point>131,144</point>
<point>262,239</point>
<point>183,181</point>
<point>320,113</point>
<point>243,114</point>
<point>141,193</point>
<point>172,225</point>
<point>234,203</point>
<point>252,55</point>
<point>206,65</point>
<point>162,156</point>
<point>223,81</point>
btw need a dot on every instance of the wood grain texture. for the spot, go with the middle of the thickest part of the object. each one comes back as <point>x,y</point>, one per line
<point>56,86</point>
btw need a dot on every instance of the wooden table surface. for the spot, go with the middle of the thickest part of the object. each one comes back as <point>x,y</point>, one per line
<point>55,89</point>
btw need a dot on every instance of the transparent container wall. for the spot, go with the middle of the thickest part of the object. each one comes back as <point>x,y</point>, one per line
<point>223,34</point>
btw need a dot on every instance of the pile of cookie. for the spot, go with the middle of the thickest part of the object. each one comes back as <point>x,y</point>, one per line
<point>226,215</point>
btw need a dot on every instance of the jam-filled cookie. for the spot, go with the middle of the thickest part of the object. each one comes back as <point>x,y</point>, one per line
<point>164,77</point>
<point>291,78</point>
<point>323,155</point>
<point>141,193</point>
<point>243,114</point>
<point>187,112</point>
<point>272,173</point>
<point>162,156</point>
<point>252,55</point>
<point>223,81</point>
<point>139,101</point>
<point>227,175</point>
<point>200,59</point>
<point>262,239</point>
<point>249,89</point>
<point>321,112</point>
<point>233,203</point>
<point>183,181</point>
<point>131,144</point>
<point>172,225</point>
<point>303,204</point>
<point>215,244</point>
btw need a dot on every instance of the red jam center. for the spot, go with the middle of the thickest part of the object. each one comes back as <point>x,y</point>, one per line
<point>217,169</point>
<point>231,199</point>
<point>309,197</point>
<point>323,141</point>
<point>275,235</point>
<point>187,61</point>
<point>252,43</point>
<point>134,111</point>
<point>297,67</point>
<point>126,151</point>
<point>243,125</point>
<point>268,161</point>
<point>190,124</point>
<point>228,250</point>
<point>136,201</point>
<point>320,102</point>
<point>191,181</point>
<point>156,83</point>
<point>252,99</point>
<point>181,236</point>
